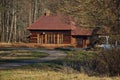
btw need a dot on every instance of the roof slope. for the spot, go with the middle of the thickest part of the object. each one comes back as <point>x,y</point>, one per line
<point>82,31</point>
<point>58,23</point>
<point>51,23</point>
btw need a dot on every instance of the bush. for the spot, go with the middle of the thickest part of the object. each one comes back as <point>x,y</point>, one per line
<point>109,62</point>
<point>104,63</point>
<point>81,61</point>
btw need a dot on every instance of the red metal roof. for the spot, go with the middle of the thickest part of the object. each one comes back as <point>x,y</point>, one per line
<point>58,23</point>
<point>51,23</point>
<point>82,31</point>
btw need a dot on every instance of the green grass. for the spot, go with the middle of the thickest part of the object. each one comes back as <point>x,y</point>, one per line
<point>21,54</point>
<point>80,55</point>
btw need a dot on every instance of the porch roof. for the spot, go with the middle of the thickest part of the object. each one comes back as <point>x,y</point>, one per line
<point>82,31</point>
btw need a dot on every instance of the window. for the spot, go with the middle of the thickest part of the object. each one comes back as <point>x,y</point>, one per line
<point>50,39</point>
<point>60,38</point>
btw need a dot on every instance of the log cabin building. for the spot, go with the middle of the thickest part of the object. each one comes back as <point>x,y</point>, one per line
<point>53,30</point>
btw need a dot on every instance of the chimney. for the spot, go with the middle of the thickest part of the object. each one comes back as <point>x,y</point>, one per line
<point>47,12</point>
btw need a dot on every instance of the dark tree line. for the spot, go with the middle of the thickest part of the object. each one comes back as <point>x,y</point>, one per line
<point>17,15</point>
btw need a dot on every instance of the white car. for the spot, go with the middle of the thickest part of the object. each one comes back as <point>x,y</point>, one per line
<point>105,46</point>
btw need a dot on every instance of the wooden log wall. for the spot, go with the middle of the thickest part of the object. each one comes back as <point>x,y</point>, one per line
<point>65,36</point>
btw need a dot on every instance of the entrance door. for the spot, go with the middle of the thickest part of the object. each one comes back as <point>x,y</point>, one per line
<point>79,42</point>
<point>82,42</point>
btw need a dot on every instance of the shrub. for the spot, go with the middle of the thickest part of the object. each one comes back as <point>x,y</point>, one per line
<point>106,62</point>
<point>81,61</point>
<point>109,62</point>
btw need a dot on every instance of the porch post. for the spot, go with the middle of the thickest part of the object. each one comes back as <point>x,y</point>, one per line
<point>41,39</point>
<point>45,38</point>
<point>38,36</point>
<point>57,38</point>
<point>54,38</point>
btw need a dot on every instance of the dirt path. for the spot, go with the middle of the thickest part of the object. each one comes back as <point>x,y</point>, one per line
<point>53,55</point>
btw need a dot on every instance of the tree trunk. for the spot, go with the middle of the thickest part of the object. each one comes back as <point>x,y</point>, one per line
<point>3,29</point>
<point>35,10</point>
<point>11,27</point>
<point>15,29</point>
<point>7,27</point>
<point>30,15</point>
<point>0,26</point>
